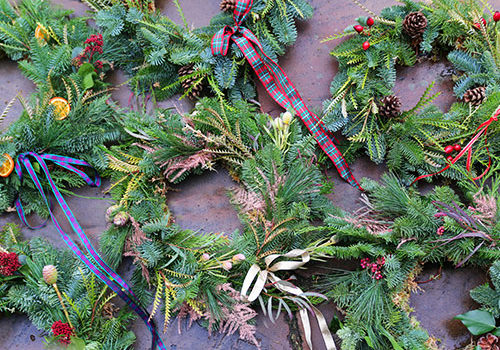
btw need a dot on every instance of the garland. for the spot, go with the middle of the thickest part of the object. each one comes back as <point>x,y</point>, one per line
<point>281,190</point>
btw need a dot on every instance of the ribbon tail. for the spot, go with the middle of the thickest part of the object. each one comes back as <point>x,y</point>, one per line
<point>107,275</point>
<point>323,326</point>
<point>286,95</point>
<point>325,332</point>
<point>247,282</point>
<point>306,324</point>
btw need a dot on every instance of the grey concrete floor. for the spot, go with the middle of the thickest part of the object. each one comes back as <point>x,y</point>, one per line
<point>201,202</point>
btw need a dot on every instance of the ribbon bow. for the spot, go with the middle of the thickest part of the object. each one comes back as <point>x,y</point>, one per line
<point>268,276</point>
<point>97,265</point>
<point>481,129</point>
<point>276,82</point>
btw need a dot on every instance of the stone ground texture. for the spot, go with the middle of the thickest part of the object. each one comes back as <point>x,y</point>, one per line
<point>201,202</point>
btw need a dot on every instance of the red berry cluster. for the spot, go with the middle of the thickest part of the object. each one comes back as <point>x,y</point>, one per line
<point>375,268</point>
<point>9,263</point>
<point>450,149</point>
<point>94,45</point>
<point>440,231</point>
<point>63,331</point>
<point>369,22</point>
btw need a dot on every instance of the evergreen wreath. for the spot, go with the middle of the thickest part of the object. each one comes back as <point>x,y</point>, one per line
<point>280,192</point>
<point>420,140</point>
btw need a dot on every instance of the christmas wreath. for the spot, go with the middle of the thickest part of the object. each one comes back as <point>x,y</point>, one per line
<point>423,139</point>
<point>280,191</point>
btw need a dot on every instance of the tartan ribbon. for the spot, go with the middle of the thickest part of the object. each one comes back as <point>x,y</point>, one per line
<point>262,277</point>
<point>481,129</point>
<point>94,263</point>
<point>276,82</point>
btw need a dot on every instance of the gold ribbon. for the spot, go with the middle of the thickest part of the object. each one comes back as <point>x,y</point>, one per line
<point>267,276</point>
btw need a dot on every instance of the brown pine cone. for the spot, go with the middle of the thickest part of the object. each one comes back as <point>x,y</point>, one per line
<point>475,96</point>
<point>188,84</point>
<point>389,106</point>
<point>228,5</point>
<point>488,342</point>
<point>415,24</point>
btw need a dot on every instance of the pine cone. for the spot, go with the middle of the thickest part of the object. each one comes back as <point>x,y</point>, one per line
<point>475,96</point>
<point>390,106</point>
<point>414,24</point>
<point>489,342</point>
<point>228,5</point>
<point>188,84</point>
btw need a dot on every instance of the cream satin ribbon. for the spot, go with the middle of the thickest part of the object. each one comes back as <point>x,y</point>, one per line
<point>267,275</point>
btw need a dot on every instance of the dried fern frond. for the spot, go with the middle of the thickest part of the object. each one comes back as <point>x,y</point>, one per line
<point>119,165</point>
<point>158,295</point>
<point>7,109</point>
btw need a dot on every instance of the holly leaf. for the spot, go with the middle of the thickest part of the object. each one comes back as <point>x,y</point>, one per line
<point>477,321</point>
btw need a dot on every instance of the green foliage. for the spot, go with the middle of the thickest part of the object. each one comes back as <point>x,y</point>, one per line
<point>402,225</point>
<point>84,297</point>
<point>151,48</point>
<point>477,321</point>
<point>412,143</point>
<point>488,297</point>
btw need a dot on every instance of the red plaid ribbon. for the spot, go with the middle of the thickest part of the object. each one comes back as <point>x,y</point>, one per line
<point>481,129</point>
<point>277,83</point>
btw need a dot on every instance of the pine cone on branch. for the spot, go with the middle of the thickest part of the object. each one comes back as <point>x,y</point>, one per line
<point>228,5</point>
<point>415,24</point>
<point>389,106</point>
<point>489,342</point>
<point>475,96</point>
<point>188,84</point>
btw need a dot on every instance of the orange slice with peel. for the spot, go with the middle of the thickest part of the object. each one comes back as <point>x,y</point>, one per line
<point>61,107</point>
<point>7,165</point>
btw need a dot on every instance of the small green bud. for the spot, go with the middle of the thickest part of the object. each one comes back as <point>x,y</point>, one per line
<point>121,218</point>
<point>49,273</point>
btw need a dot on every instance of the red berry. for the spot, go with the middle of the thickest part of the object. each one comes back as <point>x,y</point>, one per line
<point>478,25</point>
<point>358,28</point>
<point>370,21</point>
<point>448,149</point>
<point>366,45</point>
<point>496,16</point>
<point>449,158</point>
<point>457,147</point>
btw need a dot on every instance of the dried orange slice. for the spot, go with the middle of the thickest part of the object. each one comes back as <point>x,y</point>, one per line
<point>41,34</point>
<point>61,107</point>
<point>7,165</point>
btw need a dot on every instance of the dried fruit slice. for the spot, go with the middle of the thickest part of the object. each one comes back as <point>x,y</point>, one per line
<point>61,107</point>
<point>41,34</point>
<point>7,165</point>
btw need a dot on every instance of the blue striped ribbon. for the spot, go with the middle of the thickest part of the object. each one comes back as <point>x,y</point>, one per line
<point>97,265</point>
